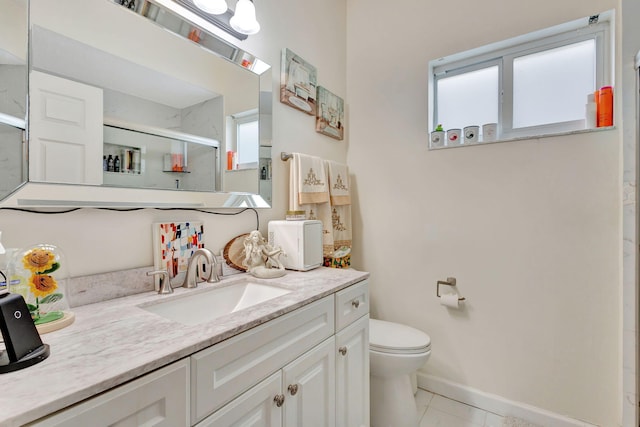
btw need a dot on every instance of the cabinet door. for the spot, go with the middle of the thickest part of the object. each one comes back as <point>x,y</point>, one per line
<point>254,408</point>
<point>158,399</point>
<point>352,374</point>
<point>65,132</point>
<point>224,371</point>
<point>309,388</point>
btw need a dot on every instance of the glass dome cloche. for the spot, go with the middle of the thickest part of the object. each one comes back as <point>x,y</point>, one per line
<point>40,274</point>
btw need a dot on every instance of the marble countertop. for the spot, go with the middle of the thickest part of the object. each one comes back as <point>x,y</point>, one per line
<point>115,341</point>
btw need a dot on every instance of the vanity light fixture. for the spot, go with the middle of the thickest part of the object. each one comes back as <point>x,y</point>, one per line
<point>243,21</point>
<point>214,7</point>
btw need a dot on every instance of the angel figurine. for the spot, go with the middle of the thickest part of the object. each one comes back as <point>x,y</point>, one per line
<point>262,259</point>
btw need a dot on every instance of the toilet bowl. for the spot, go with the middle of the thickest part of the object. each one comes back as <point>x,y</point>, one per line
<point>396,352</point>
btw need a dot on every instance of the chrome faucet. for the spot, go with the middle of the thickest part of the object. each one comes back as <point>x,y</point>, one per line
<point>214,274</point>
<point>191,277</point>
<point>164,281</point>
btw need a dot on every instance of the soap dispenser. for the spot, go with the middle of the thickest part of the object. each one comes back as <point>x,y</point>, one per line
<point>23,346</point>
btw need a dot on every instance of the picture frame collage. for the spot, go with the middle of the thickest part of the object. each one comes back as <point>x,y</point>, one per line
<point>299,89</point>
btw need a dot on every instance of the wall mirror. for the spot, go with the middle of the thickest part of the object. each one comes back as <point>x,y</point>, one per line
<point>128,105</point>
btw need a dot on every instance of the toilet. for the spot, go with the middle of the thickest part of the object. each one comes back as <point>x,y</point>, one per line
<point>396,352</point>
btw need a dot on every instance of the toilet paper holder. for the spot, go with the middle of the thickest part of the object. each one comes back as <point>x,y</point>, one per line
<point>451,281</point>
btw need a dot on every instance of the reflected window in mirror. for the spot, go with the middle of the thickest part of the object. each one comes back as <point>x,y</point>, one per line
<point>247,137</point>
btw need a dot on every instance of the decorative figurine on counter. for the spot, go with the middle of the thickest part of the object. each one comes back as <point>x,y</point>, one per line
<point>40,275</point>
<point>262,259</point>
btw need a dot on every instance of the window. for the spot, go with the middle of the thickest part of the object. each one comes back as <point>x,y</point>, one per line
<point>248,141</point>
<point>245,127</point>
<point>532,85</point>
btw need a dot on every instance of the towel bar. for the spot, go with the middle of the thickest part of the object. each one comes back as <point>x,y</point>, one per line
<point>285,156</point>
<point>451,281</point>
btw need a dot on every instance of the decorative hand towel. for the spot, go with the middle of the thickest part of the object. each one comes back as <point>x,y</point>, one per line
<point>308,173</point>
<point>339,183</point>
<point>312,179</point>
<point>340,215</point>
<point>341,223</point>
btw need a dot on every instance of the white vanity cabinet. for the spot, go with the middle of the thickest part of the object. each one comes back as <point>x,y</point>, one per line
<point>309,387</point>
<point>224,371</point>
<point>352,350</point>
<point>352,374</point>
<point>300,394</point>
<point>158,399</point>
<point>309,367</point>
<point>327,385</point>
<point>255,407</point>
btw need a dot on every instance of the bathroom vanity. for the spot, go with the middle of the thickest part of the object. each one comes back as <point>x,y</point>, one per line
<point>285,361</point>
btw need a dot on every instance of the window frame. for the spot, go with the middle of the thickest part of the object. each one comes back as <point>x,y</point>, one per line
<point>504,53</point>
<point>466,67</point>
<point>236,121</point>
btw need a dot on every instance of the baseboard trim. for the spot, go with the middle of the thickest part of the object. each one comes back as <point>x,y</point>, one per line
<point>496,404</point>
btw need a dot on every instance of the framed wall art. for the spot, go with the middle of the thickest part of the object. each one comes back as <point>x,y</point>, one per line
<point>298,82</point>
<point>173,245</point>
<point>330,114</point>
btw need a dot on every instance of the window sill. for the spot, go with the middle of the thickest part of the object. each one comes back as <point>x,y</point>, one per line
<point>526,138</point>
<point>240,169</point>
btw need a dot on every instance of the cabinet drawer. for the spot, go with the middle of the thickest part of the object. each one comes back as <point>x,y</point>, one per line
<point>254,407</point>
<point>352,303</point>
<point>225,370</point>
<point>158,399</point>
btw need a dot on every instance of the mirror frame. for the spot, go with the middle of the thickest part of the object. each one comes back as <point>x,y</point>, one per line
<point>32,194</point>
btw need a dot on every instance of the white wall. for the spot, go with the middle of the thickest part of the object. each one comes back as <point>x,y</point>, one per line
<point>100,241</point>
<point>530,229</point>
<point>13,30</point>
<point>630,46</point>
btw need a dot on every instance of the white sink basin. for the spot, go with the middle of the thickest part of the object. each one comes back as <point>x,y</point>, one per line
<point>204,306</point>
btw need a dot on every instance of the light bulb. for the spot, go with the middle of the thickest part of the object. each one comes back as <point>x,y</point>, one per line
<point>244,20</point>
<point>214,7</point>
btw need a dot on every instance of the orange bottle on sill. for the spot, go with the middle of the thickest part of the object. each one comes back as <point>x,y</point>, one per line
<point>229,160</point>
<point>604,102</point>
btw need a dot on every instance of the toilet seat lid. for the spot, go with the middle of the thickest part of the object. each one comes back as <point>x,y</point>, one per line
<point>389,337</point>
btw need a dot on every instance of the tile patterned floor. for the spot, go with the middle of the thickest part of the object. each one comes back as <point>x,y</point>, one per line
<point>438,411</point>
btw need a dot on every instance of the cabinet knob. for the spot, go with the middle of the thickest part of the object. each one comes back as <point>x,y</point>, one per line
<point>342,350</point>
<point>355,303</point>
<point>293,389</point>
<point>279,399</point>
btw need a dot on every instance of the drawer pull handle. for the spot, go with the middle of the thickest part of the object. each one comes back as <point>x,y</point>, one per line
<point>293,389</point>
<point>279,399</point>
<point>343,350</point>
<point>355,303</point>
